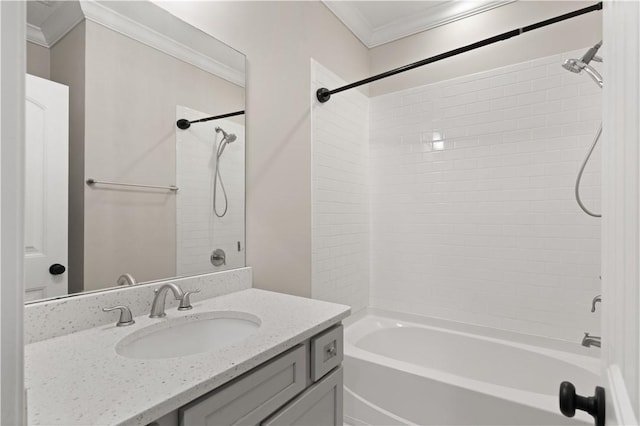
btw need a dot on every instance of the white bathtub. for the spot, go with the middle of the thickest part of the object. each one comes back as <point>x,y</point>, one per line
<point>400,372</point>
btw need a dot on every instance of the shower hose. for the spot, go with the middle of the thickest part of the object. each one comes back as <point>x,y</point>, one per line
<point>584,164</point>
<point>217,177</point>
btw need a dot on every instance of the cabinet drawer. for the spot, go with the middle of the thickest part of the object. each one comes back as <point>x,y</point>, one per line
<point>320,405</point>
<point>252,397</point>
<point>327,351</point>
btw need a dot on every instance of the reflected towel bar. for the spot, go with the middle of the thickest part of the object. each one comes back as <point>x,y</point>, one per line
<point>92,182</point>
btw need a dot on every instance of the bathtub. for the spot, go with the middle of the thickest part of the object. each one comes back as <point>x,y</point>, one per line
<point>400,372</point>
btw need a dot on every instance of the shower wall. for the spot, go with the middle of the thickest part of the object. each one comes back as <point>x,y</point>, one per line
<point>473,216</point>
<point>340,194</point>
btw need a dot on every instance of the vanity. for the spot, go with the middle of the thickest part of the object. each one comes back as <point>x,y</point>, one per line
<point>284,370</point>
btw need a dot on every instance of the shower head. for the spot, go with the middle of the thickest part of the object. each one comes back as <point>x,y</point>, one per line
<point>573,65</point>
<point>590,55</point>
<point>228,137</point>
<point>582,64</point>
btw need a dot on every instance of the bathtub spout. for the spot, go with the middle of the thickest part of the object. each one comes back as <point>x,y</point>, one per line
<point>589,340</point>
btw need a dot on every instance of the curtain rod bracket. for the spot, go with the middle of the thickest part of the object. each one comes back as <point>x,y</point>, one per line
<point>183,124</point>
<point>323,95</point>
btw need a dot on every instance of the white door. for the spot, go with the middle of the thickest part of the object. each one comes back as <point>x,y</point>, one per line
<point>46,188</point>
<point>621,212</point>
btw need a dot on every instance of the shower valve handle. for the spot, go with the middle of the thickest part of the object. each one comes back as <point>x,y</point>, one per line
<point>570,402</point>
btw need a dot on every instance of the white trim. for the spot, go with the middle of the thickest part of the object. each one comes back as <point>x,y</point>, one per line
<point>12,107</point>
<point>618,398</point>
<point>63,20</point>
<point>351,17</point>
<point>443,14</point>
<point>417,23</point>
<point>620,209</point>
<point>36,36</point>
<point>150,25</point>
<point>140,29</point>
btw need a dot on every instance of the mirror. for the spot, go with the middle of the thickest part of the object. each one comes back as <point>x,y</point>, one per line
<point>115,192</point>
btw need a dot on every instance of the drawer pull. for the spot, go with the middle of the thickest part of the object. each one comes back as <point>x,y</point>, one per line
<point>330,350</point>
<point>326,351</point>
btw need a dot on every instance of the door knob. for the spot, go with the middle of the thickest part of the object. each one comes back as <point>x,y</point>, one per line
<point>570,402</point>
<point>57,269</point>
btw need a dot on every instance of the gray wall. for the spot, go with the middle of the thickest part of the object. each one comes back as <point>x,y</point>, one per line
<point>38,60</point>
<point>131,95</point>
<point>123,97</point>
<point>68,67</point>
<point>279,39</point>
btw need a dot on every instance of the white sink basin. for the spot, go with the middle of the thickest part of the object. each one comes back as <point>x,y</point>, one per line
<point>189,335</point>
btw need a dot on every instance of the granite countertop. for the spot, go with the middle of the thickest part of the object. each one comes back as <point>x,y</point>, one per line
<point>79,379</point>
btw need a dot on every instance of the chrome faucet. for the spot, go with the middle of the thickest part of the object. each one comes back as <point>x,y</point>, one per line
<point>588,340</point>
<point>595,300</point>
<point>126,279</point>
<point>157,307</point>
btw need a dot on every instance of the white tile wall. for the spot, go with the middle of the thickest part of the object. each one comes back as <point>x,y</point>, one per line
<point>340,194</point>
<point>472,207</point>
<point>199,231</point>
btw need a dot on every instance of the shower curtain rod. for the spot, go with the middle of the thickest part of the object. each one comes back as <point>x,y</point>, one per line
<point>323,94</point>
<point>184,124</point>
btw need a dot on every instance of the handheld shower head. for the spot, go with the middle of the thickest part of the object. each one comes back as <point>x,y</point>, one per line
<point>590,55</point>
<point>573,65</point>
<point>228,137</point>
<point>582,64</point>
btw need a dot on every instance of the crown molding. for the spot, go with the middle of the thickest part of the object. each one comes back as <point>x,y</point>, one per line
<point>63,20</point>
<point>434,17</point>
<point>351,17</point>
<point>36,36</point>
<point>149,25</point>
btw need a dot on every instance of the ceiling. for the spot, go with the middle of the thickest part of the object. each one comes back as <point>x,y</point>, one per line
<point>39,11</point>
<point>379,22</point>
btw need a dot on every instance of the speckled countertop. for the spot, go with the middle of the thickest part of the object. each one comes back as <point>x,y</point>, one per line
<point>79,379</point>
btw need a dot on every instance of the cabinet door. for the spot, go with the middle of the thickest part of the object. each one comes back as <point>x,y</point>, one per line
<point>320,405</point>
<point>252,397</point>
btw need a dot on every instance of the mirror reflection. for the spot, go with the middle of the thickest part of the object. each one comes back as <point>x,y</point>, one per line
<point>116,193</point>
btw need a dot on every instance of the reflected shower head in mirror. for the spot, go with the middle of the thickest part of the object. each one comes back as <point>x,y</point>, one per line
<point>228,137</point>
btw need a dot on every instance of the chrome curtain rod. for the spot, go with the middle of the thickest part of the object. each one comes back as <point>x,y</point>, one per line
<point>184,124</point>
<point>92,182</point>
<point>323,94</point>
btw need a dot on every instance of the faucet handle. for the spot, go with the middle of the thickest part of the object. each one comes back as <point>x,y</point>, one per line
<point>595,300</point>
<point>185,302</point>
<point>125,315</point>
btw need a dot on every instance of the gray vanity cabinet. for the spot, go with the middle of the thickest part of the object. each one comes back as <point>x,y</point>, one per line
<point>302,386</point>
